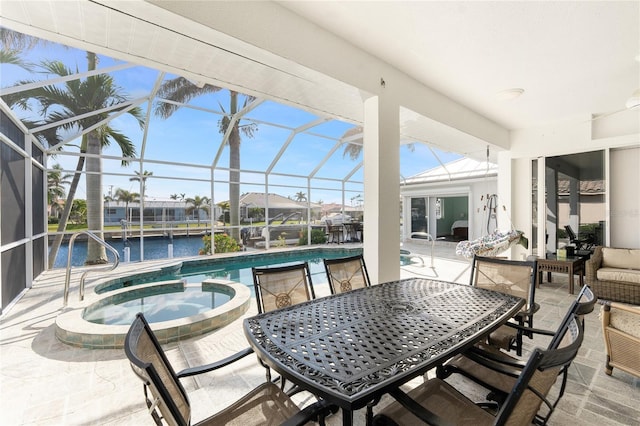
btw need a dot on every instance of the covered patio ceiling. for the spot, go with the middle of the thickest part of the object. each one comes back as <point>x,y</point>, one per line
<point>149,34</point>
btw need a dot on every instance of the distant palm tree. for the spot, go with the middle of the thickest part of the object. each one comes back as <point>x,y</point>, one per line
<point>142,178</point>
<point>224,206</point>
<point>301,196</point>
<point>56,182</point>
<point>353,149</point>
<point>78,97</point>
<point>173,196</point>
<point>126,197</point>
<point>182,91</point>
<point>198,203</point>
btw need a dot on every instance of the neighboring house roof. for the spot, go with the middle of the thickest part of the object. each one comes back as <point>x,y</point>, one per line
<point>587,187</point>
<point>257,199</point>
<point>463,168</point>
<point>335,207</point>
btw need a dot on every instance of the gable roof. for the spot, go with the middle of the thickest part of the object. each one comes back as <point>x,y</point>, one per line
<point>462,168</point>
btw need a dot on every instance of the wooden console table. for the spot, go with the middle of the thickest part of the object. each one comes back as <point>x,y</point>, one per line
<point>570,265</point>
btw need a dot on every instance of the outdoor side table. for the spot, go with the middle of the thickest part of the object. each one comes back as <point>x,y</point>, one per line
<point>570,265</point>
<point>353,347</point>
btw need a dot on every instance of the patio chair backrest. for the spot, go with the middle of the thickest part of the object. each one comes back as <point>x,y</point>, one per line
<point>164,394</point>
<point>513,277</point>
<point>539,375</point>
<point>282,286</point>
<point>346,274</point>
<point>582,305</point>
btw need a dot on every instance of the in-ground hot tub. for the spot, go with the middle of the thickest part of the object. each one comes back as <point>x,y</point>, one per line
<point>176,310</point>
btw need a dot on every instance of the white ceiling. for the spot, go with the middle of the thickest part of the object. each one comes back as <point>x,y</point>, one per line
<point>572,59</point>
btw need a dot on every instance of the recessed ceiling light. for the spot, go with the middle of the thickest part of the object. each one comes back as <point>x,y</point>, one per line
<point>509,94</point>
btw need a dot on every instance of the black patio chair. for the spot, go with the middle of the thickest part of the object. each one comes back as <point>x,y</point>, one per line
<point>585,244</point>
<point>279,287</point>
<point>346,274</point>
<point>479,365</point>
<point>517,278</point>
<point>436,402</point>
<point>282,286</point>
<point>168,402</point>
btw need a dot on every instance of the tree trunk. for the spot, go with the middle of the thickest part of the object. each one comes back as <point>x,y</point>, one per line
<point>234,173</point>
<point>62,224</point>
<point>96,253</point>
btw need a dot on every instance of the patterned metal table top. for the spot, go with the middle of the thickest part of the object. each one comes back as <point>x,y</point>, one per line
<point>350,347</point>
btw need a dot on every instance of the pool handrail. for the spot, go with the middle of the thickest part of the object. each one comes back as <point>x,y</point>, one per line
<point>107,268</point>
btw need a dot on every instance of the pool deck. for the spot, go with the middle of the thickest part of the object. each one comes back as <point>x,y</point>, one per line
<point>45,382</point>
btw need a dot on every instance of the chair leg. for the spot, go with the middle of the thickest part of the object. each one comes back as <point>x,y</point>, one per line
<point>608,369</point>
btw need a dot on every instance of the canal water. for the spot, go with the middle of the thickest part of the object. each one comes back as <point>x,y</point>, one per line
<point>154,248</point>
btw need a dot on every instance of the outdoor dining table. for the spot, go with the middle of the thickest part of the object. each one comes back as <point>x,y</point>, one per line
<point>353,347</point>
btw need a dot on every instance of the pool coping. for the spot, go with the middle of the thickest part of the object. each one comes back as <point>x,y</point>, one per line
<point>72,329</point>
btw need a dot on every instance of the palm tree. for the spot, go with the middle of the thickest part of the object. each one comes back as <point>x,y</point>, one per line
<point>354,147</point>
<point>225,207</point>
<point>12,43</point>
<point>126,197</point>
<point>73,98</point>
<point>173,196</point>
<point>55,185</point>
<point>182,91</point>
<point>142,178</point>
<point>198,203</point>
<point>301,196</point>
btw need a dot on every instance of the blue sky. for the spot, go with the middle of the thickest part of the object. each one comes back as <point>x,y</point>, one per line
<point>192,137</point>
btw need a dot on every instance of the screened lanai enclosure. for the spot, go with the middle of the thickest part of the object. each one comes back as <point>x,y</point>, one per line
<point>142,158</point>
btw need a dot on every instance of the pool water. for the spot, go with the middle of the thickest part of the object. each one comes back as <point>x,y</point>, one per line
<point>154,248</point>
<point>158,303</point>
<point>238,268</point>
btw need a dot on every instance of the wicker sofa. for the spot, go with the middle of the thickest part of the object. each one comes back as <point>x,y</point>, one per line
<point>614,274</point>
<point>621,330</point>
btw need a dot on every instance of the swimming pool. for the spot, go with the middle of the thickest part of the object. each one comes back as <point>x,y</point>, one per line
<point>232,271</point>
<point>235,268</point>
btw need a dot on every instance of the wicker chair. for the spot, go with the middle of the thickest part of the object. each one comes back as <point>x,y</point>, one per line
<point>168,402</point>
<point>512,277</point>
<point>346,274</point>
<point>618,261</point>
<point>282,286</point>
<point>499,384</point>
<point>437,402</point>
<point>621,329</point>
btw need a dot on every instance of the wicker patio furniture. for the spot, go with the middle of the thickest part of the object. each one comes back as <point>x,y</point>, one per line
<point>621,329</point>
<point>614,274</point>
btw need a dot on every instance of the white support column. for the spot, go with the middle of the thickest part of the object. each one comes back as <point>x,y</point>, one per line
<point>574,205</point>
<point>382,189</point>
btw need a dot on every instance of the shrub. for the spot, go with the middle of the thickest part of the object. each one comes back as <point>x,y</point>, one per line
<point>223,244</point>
<point>317,237</point>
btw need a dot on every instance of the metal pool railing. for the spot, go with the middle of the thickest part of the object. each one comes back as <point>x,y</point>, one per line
<point>67,279</point>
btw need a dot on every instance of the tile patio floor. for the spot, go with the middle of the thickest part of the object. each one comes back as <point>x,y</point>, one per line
<point>44,382</point>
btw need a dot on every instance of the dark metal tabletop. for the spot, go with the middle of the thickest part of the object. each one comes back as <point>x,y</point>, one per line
<point>350,348</point>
